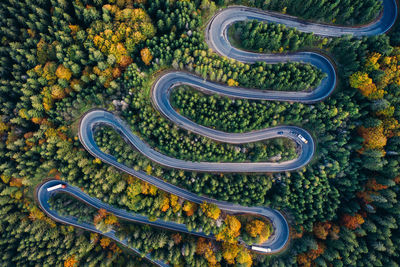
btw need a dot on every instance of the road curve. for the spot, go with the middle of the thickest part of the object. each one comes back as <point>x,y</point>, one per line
<point>43,196</point>
<point>216,36</point>
<point>97,117</point>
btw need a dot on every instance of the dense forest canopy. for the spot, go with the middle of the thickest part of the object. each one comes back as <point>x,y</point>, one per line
<point>62,58</point>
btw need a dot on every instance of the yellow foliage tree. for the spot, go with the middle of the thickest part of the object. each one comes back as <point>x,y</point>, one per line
<point>374,137</point>
<point>146,56</point>
<point>3,127</point>
<point>211,210</point>
<point>232,82</point>
<point>258,228</point>
<point>57,92</point>
<point>372,61</point>
<point>359,79</point>
<point>189,208</point>
<point>230,252</point>
<point>148,169</point>
<point>129,28</point>
<point>174,203</point>
<point>105,242</point>
<point>111,219</point>
<point>244,258</point>
<point>230,231</point>
<point>63,72</point>
<point>164,203</point>
<point>148,189</point>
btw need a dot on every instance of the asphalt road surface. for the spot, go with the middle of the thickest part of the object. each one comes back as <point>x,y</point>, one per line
<point>216,37</point>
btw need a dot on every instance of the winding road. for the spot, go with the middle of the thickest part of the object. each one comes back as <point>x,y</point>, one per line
<point>216,36</point>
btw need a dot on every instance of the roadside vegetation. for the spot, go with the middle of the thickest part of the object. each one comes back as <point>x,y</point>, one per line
<point>61,58</point>
<point>336,12</point>
<point>227,230</point>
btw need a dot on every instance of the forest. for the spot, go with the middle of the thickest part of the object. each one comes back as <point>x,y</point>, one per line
<point>60,59</point>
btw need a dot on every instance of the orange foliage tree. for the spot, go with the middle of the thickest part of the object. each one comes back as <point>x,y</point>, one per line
<point>205,247</point>
<point>146,55</point>
<point>105,242</point>
<point>189,208</point>
<point>71,261</point>
<point>305,259</point>
<point>164,202</point>
<point>177,238</point>
<point>101,214</point>
<point>352,222</point>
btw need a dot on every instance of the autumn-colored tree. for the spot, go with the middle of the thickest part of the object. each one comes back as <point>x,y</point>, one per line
<point>372,62</point>
<point>244,257</point>
<point>305,259</point>
<point>373,185</point>
<point>125,61</point>
<point>211,210</point>
<point>36,214</point>
<point>148,189</point>
<point>74,29</point>
<point>101,214</point>
<point>297,234</point>
<point>129,28</point>
<point>230,231</point>
<point>359,79</point>
<point>71,261</point>
<point>369,90</point>
<point>114,248</point>
<point>205,247</point>
<point>374,138</point>
<point>57,92</point>
<point>104,242</point>
<point>189,208</point>
<point>391,126</point>
<point>177,238</point>
<point>3,127</point>
<point>352,222</point>
<point>258,228</point>
<point>321,229</point>
<point>146,55</point>
<point>230,252</point>
<point>116,73</point>
<point>63,72</point>
<point>43,51</point>
<point>110,219</point>
<point>164,203</point>
<point>174,203</point>
<point>232,82</point>
<point>17,182</point>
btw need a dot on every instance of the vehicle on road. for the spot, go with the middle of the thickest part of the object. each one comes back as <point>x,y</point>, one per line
<point>302,139</point>
<point>280,132</point>
<point>260,249</point>
<point>59,186</point>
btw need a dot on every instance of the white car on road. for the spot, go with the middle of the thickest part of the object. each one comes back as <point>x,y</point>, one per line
<point>302,139</point>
